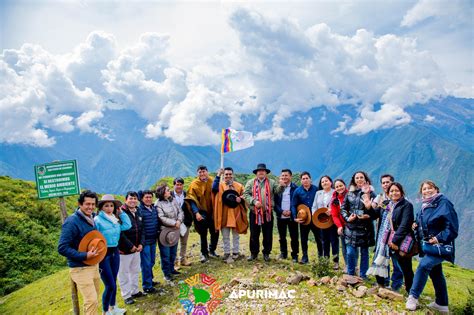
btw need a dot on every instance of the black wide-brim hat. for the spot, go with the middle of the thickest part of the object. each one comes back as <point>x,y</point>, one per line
<point>261,167</point>
<point>229,198</point>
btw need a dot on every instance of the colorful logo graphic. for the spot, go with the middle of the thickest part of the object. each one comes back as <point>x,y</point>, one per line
<point>200,294</point>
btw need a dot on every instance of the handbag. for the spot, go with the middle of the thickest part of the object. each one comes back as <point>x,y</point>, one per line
<point>408,247</point>
<point>440,250</point>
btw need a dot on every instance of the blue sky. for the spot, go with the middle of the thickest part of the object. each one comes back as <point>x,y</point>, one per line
<point>180,65</point>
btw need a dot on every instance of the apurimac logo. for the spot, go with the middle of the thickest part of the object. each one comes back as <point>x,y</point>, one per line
<point>200,294</point>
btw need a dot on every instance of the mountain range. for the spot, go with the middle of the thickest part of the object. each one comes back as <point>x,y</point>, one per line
<point>437,144</point>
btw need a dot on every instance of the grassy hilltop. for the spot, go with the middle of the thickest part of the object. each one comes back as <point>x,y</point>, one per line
<point>34,278</point>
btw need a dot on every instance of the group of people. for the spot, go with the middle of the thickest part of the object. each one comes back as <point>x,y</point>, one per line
<point>361,219</point>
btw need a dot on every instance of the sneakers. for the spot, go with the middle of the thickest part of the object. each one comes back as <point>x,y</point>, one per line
<point>252,257</point>
<point>282,256</point>
<point>295,259</point>
<point>412,303</point>
<point>175,272</point>
<point>235,256</point>
<point>168,278</point>
<point>439,308</point>
<point>266,257</point>
<point>213,254</point>
<point>155,283</point>
<point>336,266</point>
<point>226,256</point>
<point>129,301</point>
<point>185,263</point>
<point>204,258</point>
<point>304,260</point>
<point>117,310</point>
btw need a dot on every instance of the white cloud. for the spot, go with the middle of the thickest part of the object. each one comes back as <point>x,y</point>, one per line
<point>459,11</point>
<point>278,70</point>
<point>429,118</point>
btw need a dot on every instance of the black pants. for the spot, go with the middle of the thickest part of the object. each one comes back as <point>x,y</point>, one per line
<point>266,229</point>
<point>292,226</point>
<point>205,226</point>
<point>406,266</point>
<point>330,240</point>
<point>304,231</point>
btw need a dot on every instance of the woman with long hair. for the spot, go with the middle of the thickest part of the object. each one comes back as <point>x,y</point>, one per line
<point>359,232</point>
<point>338,196</point>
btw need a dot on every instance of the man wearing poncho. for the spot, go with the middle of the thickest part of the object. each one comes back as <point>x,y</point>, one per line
<point>230,214</point>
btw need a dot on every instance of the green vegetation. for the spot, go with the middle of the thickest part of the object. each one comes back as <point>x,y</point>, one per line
<point>51,295</point>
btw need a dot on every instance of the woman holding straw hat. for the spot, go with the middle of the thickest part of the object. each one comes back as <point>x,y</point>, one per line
<point>110,222</point>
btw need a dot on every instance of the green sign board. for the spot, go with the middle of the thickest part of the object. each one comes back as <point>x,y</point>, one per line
<point>57,179</point>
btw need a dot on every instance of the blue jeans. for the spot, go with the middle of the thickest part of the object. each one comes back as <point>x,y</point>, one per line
<point>108,273</point>
<point>343,247</point>
<point>168,257</point>
<point>397,275</point>
<point>147,256</point>
<point>430,266</point>
<point>352,257</point>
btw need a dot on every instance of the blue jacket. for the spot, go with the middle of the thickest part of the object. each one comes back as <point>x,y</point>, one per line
<point>302,196</point>
<point>151,225</point>
<point>110,230</point>
<point>279,198</point>
<point>73,230</point>
<point>439,219</point>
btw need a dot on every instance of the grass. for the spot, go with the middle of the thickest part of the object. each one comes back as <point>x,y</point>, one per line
<point>51,295</point>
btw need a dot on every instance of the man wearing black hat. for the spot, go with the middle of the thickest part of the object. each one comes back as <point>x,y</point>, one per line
<point>230,215</point>
<point>259,194</point>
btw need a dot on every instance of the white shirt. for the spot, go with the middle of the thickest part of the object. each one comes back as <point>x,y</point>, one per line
<point>322,200</point>
<point>286,201</point>
<point>179,198</point>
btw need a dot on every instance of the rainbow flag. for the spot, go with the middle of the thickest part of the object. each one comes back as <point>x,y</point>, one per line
<point>233,140</point>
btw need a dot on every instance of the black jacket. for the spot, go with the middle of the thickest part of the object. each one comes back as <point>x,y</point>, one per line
<point>403,217</point>
<point>358,233</point>
<point>188,212</point>
<point>135,235</point>
<point>279,197</point>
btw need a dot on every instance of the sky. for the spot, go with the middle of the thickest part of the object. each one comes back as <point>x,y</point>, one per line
<point>181,65</point>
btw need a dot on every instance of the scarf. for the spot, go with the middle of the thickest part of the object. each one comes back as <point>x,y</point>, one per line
<point>426,202</point>
<point>89,220</point>
<point>381,261</point>
<point>256,194</point>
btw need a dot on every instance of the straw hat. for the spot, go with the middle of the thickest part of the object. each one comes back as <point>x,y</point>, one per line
<point>109,198</point>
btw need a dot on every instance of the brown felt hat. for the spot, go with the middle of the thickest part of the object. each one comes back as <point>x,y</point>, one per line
<point>93,240</point>
<point>303,213</point>
<point>109,198</point>
<point>321,219</point>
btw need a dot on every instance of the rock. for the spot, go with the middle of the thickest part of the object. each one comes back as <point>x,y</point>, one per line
<point>389,294</point>
<point>304,277</point>
<point>294,279</point>
<point>325,280</point>
<point>279,279</point>
<point>334,280</point>
<point>360,292</point>
<point>342,282</point>
<point>312,282</point>
<point>340,287</point>
<point>352,280</point>
<point>373,290</point>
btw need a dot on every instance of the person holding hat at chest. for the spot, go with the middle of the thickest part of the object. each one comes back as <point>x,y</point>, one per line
<point>111,221</point>
<point>200,197</point>
<point>230,214</point>
<point>329,236</point>
<point>171,217</point>
<point>84,247</point>
<point>259,194</point>
<point>284,220</point>
<point>304,195</point>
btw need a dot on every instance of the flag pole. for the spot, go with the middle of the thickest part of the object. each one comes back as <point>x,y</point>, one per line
<point>222,159</point>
